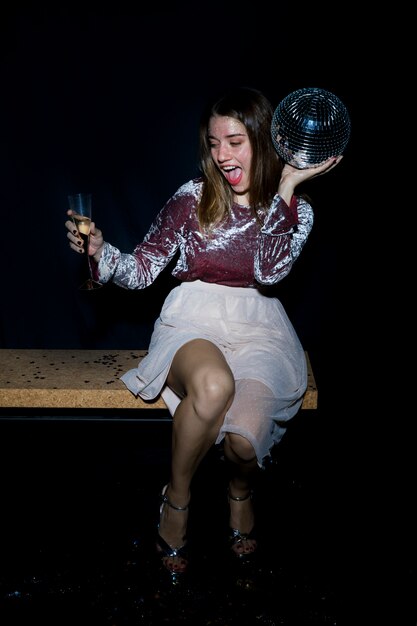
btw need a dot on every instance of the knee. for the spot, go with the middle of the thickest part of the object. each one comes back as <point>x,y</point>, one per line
<point>214,395</point>
<point>240,447</point>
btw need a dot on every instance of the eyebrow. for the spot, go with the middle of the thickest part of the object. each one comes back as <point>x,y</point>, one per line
<point>229,136</point>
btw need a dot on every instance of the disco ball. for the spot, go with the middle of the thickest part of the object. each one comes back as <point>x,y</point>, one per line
<point>309,126</point>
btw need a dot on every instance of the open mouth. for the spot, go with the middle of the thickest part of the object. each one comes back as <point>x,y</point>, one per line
<point>233,175</point>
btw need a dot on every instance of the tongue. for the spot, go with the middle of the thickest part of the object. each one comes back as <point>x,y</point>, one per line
<point>235,176</point>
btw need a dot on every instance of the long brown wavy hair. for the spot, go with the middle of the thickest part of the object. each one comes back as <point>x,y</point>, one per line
<point>255,112</point>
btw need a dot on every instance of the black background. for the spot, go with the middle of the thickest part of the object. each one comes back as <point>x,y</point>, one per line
<point>108,100</point>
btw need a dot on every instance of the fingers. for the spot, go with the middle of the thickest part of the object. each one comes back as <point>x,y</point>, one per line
<point>72,233</point>
<point>75,243</point>
<point>319,170</point>
<point>96,236</point>
<point>76,248</point>
<point>69,224</point>
<point>328,165</point>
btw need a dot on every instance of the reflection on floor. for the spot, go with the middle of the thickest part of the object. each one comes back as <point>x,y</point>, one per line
<point>80,504</point>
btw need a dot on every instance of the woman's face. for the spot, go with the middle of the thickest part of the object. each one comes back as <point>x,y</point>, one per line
<point>232,152</point>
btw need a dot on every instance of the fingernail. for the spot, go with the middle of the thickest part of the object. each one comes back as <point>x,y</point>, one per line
<point>75,232</point>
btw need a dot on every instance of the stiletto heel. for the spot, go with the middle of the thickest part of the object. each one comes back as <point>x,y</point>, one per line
<point>178,556</point>
<point>236,537</point>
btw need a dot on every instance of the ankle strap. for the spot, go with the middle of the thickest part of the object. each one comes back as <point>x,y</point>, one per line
<point>239,498</point>
<point>165,500</point>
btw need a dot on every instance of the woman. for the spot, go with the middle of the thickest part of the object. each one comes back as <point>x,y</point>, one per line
<point>224,355</point>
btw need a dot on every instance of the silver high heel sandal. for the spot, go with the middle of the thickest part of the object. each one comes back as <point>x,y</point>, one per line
<point>236,537</point>
<point>165,551</point>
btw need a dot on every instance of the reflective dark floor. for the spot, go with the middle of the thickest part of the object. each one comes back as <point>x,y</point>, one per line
<point>79,512</point>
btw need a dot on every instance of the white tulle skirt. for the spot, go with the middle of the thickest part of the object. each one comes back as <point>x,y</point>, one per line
<point>259,343</point>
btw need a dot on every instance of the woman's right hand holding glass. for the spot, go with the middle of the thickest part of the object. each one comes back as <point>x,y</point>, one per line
<point>96,241</point>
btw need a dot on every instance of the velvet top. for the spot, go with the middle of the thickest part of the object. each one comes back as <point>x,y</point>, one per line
<point>239,252</point>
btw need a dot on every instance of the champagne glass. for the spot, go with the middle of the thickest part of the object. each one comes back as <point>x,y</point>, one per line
<point>80,205</point>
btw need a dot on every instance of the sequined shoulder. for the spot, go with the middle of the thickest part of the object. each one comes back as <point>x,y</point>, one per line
<point>192,188</point>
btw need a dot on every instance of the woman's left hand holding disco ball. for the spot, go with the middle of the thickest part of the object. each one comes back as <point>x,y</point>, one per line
<point>292,176</point>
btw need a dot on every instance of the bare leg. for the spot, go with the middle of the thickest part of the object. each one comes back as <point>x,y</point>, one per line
<point>200,375</point>
<point>243,465</point>
<point>252,406</point>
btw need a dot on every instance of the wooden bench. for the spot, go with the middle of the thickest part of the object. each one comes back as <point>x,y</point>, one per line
<point>82,383</point>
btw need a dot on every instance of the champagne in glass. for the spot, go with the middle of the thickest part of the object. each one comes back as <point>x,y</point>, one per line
<point>80,205</point>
